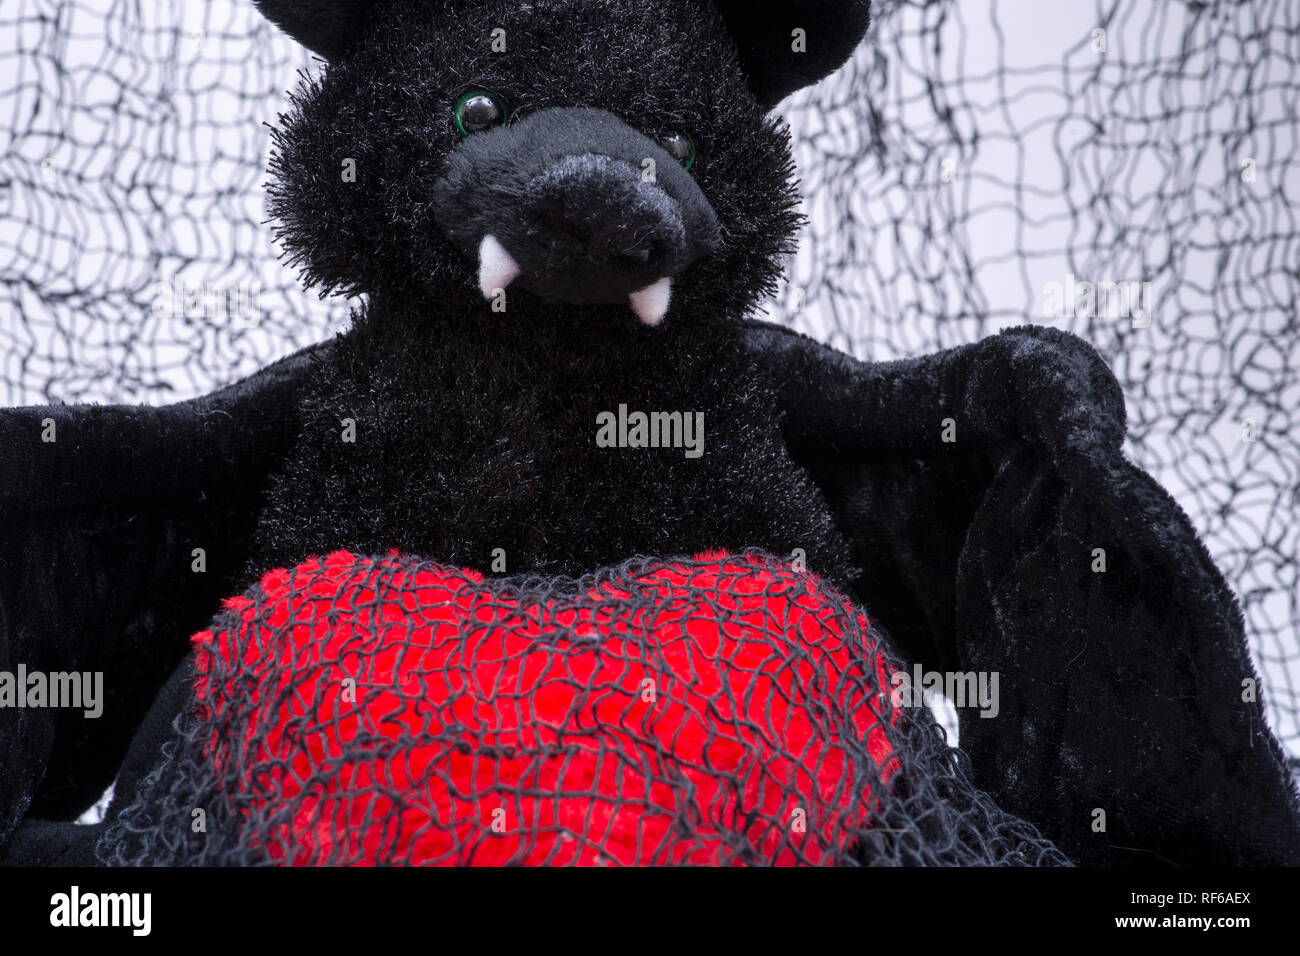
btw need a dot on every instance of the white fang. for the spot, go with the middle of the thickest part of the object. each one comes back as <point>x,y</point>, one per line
<point>496,267</point>
<point>651,303</point>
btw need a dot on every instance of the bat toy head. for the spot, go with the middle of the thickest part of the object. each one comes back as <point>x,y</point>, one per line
<point>615,155</point>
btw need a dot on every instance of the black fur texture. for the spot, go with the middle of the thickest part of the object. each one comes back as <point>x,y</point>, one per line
<point>477,432</point>
<point>776,62</point>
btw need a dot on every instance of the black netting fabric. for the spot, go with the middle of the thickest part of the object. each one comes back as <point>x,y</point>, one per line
<point>716,710</point>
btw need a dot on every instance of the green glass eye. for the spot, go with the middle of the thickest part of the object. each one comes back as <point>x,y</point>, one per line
<point>680,148</point>
<point>478,110</point>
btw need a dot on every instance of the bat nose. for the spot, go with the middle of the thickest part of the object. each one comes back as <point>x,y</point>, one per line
<point>595,213</point>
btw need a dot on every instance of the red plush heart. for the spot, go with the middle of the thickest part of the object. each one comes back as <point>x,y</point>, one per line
<point>725,709</point>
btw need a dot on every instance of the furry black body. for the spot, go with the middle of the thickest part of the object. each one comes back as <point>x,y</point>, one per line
<point>478,431</point>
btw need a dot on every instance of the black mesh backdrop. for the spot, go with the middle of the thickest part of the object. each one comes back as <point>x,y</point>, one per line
<point>969,156</point>
<point>134,262</point>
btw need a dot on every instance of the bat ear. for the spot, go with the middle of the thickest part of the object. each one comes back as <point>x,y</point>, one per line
<point>325,27</point>
<point>787,46</point>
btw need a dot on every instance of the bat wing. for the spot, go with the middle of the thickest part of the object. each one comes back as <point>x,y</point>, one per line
<point>121,528</point>
<point>999,528</point>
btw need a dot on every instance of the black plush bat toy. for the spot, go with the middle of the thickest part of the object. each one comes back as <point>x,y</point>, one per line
<point>559,216</point>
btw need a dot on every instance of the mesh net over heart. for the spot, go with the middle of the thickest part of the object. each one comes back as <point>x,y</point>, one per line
<point>719,710</point>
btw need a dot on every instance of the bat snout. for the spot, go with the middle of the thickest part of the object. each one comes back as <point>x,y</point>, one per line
<point>613,222</point>
<point>594,214</point>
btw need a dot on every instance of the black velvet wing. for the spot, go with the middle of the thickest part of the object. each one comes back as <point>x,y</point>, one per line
<point>103,510</point>
<point>1128,725</point>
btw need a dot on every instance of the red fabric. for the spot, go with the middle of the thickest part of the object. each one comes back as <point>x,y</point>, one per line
<point>734,723</point>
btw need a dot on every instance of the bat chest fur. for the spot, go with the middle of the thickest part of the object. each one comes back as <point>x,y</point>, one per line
<point>534,460</point>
